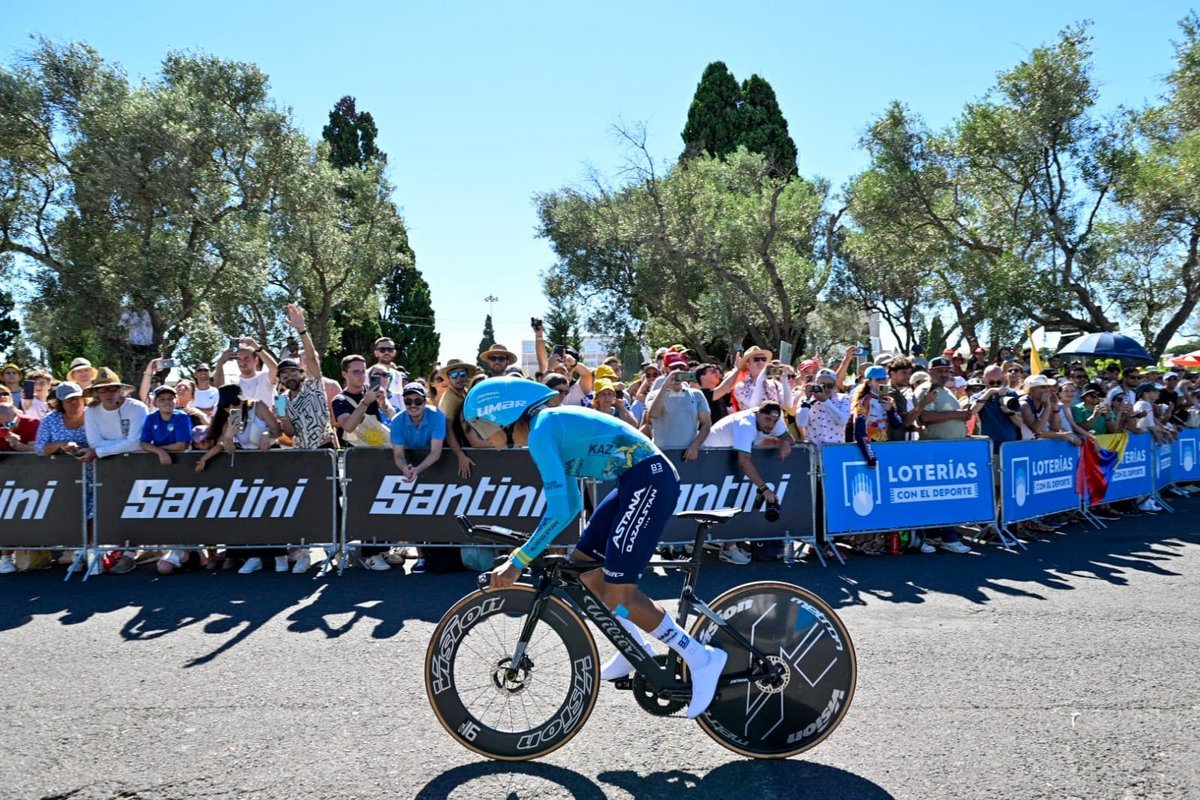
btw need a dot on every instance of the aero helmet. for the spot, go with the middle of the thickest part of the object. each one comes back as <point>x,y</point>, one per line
<point>496,403</point>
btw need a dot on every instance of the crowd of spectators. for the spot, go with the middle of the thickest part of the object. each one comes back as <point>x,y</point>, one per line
<point>681,403</point>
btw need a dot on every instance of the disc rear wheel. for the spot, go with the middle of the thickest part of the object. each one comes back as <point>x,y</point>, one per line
<point>800,635</point>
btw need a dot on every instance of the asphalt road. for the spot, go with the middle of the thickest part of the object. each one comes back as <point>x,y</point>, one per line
<point>1068,671</point>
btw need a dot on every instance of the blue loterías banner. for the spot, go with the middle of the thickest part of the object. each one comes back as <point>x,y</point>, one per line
<point>1186,461</point>
<point>1037,477</point>
<point>1133,475</point>
<point>1164,467</point>
<point>913,485</point>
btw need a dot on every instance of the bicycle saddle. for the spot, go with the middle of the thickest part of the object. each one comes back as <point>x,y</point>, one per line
<point>714,517</point>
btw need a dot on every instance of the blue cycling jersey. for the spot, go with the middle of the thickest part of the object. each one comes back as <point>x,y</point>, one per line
<point>574,442</point>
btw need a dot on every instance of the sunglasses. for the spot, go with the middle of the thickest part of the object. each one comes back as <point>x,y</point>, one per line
<point>760,358</point>
<point>414,401</point>
<point>769,415</point>
<point>385,349</point>
<point>497,358</point>
<point>458,373</point>
<point>1016,372</point>
<point>995,383</point>
<point>107,389</point>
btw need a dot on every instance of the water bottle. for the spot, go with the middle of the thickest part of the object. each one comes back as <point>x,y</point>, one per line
<point>789,549</point>
<point>894,544</point>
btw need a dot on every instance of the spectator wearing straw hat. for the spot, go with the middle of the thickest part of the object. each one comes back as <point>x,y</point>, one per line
<point>11,377</point>
<point>457,375</point>
<point>115,420</point>
<point>498,358</point>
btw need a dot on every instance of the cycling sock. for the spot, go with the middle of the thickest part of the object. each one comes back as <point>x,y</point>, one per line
<point>670,634</point>
<point>618,666</point>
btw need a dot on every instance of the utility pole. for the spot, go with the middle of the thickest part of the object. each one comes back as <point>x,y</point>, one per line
<point>491,300</point>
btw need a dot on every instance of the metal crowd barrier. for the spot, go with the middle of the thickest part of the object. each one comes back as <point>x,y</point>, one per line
<point>299,498</point>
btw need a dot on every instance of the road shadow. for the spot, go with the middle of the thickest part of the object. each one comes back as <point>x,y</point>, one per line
<point>224,602</point>
<point>743,778</point>
<point>1058,562</point>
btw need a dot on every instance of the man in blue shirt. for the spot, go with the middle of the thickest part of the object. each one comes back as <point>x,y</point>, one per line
<point>420,427</point>
<point>169,430</point>
<point>568,443</point>
<point>997,420</point>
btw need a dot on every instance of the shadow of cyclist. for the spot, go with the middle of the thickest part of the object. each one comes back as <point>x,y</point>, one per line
<point>496,779</point>
<point>749,778</point>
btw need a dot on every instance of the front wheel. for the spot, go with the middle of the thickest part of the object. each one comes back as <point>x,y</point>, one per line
<point>505,710</point>
<point>797,631</point>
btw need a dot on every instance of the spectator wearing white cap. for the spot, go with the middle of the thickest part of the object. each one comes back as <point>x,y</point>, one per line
<point>81,373</point>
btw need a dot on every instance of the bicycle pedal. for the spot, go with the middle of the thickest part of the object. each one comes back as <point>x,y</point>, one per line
<point>625,684</point>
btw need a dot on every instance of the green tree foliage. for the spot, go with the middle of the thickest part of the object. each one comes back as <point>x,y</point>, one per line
<point>1001,208</point>
<point>489,339</point>
<point>562,316</point>
<point>408,318</point>
<point>10,328</point>
<point>351,136</point>
<point>701,254</point>
<point>724,116</point>
<point>1156,272</point>
<point>405,309</point>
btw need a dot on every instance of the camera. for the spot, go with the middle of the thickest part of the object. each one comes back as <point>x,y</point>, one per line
<point>1013,404</point>
<point>774,372</point>
<point>770,510</point>
<point>535,323</point>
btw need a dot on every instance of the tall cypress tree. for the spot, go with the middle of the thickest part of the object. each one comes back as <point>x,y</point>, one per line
<point>9,327</point>
<point>714,118</point>
<point>489,339</point>
<point>407,314</point>
<point>764,129</point>
<point>724,116</point>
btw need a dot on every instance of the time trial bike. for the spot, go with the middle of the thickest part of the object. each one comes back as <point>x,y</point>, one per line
<point>513,674</point>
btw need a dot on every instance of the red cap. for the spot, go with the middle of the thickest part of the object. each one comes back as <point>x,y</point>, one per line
<point>671,359</point>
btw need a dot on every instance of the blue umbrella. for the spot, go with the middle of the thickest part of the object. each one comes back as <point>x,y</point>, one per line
<point>1107,345</point>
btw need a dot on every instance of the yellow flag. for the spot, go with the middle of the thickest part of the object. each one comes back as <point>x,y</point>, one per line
<point>1035,360</point>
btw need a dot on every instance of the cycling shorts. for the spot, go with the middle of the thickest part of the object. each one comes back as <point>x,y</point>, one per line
<point>627,524</point>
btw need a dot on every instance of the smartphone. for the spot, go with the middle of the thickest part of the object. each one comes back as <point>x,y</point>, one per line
<point>281,402</point>
<point>27,390</point>
<point>375,379</point>
<point>167,363</point>
<point>774,372</point>
<point>685,375</point>
<point>559,351</point>
<point>235,419</point>
<point>234,343</point>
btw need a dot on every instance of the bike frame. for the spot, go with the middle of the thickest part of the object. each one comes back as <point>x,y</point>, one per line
<point>560,576</point>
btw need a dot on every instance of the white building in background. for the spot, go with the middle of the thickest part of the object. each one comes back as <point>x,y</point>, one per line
<point>595,350</point>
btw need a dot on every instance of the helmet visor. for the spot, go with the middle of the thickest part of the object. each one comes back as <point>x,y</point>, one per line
<point>485,429</point>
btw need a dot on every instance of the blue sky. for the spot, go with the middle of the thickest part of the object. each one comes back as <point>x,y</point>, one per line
<point>480,106</point>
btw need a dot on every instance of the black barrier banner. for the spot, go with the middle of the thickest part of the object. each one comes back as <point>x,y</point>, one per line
<point>715,480</point>
<point>41,501</point>
<point>505,488</point>
<point>251,498</point>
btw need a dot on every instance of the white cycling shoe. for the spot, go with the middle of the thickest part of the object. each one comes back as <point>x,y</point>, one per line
<point>619,667</point>
<point>704,681</point>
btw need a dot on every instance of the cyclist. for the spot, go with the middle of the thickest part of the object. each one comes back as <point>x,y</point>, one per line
<point>572,442</point>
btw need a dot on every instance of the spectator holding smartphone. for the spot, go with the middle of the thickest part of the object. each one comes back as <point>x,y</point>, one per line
<point>35,394</point>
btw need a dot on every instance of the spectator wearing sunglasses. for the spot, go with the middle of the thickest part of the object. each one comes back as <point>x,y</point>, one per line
<point>419,427</point>
<point>998,414</point>
<point>458,375</point>
<point>306,412</point>
<point>752,387</point>
<point>385,357</point>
